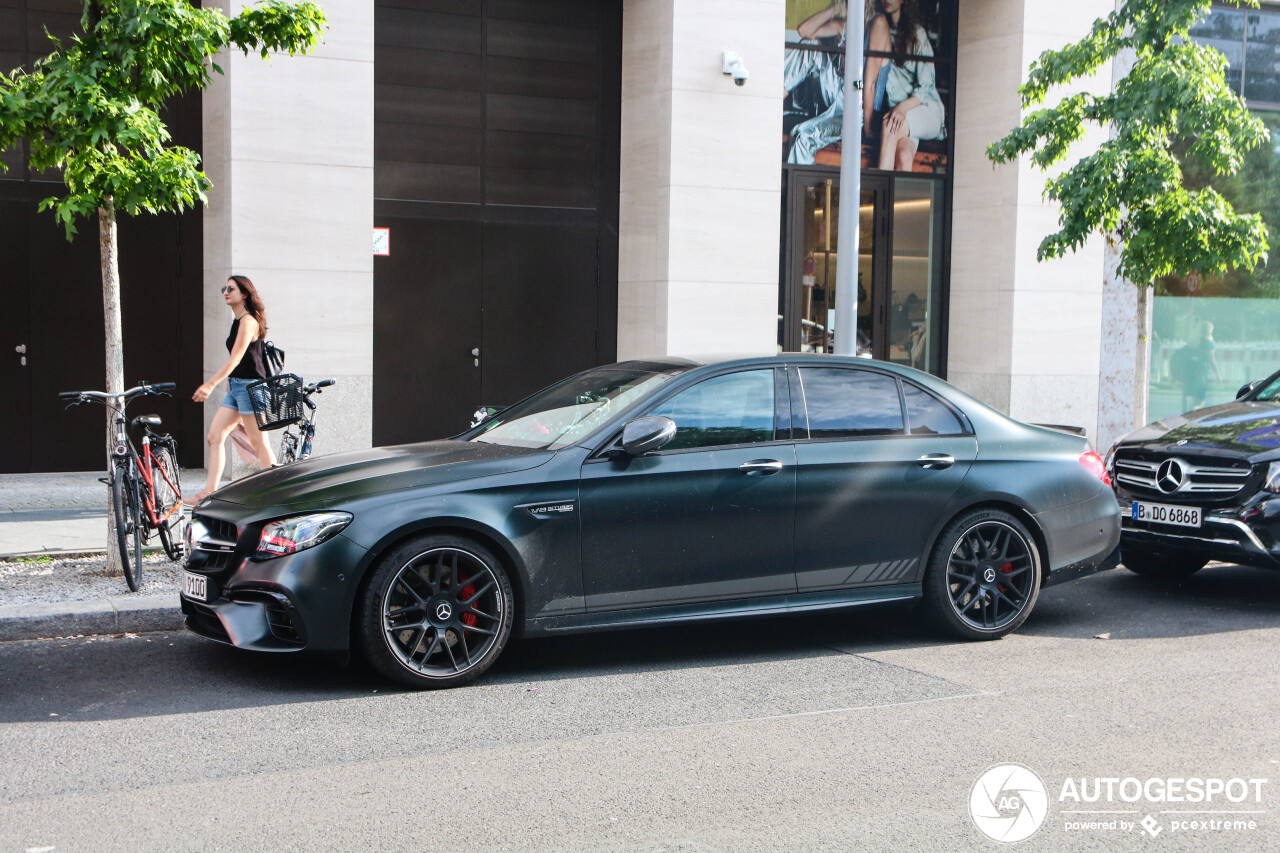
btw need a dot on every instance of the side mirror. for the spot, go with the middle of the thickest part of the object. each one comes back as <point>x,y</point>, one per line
<point>1246,389</point>
<point>645,435</point>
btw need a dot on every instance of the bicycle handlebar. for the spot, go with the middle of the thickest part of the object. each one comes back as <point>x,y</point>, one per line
<point>78,397</point>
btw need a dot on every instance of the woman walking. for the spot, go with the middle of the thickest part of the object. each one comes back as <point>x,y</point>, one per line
<point>246,363</point>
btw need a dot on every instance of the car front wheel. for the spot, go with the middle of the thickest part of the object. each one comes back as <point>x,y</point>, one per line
<point>983,576</point>
<point>437,612</point>
<point>1169,565</point>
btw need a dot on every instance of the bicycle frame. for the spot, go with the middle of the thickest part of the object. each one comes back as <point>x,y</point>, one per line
<point>143,464</point>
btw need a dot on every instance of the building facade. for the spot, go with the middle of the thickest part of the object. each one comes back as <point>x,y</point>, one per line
<point>564,183</point>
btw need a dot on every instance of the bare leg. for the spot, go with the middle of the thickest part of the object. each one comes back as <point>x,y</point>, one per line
<point>889,140</point>
<point>224,421</point>
<point>265,457</point>
<point>906,154</point>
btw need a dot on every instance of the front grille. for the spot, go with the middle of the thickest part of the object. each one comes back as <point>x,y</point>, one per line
<point>215,549</point>
<point>1195,479</point>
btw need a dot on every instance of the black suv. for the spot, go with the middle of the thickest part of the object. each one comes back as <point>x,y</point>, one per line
<point>1202,486</point>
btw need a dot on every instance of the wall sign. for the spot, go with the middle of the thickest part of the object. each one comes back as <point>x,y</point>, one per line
<point>382,241</point>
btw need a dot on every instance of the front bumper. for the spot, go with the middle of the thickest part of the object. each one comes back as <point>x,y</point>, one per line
<point>287,604</point>
<point>1249,535</point>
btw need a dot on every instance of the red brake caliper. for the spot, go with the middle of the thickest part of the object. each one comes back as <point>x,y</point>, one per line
<point>468,619</point>
<point>1006,569</point>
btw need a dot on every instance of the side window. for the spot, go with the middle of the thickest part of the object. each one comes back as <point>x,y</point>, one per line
<point>928,415</point>
<point>850,403</point>
<point>736,408</point>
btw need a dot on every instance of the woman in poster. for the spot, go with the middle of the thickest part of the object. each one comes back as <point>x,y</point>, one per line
<point>824,72</point>
<point>905,87</point>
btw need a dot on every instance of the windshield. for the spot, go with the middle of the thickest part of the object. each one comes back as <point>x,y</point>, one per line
<point>567,411</point>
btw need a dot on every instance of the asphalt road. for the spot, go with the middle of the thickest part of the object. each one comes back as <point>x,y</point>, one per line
<point>851,731</point>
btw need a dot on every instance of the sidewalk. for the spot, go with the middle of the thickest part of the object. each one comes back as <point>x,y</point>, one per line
<point>53,537</point>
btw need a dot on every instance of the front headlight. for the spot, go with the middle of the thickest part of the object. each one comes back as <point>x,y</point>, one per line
<point>298,533</point>
<point>1272,482</point>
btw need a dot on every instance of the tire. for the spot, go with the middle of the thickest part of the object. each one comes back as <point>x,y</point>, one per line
<point>419,627</point>
<point>169,502</point>
<point>125,502</point>
<point>1167,565</point>
<point>983,576</point>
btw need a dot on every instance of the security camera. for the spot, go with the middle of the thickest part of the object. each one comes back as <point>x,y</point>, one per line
<point>733,66</point>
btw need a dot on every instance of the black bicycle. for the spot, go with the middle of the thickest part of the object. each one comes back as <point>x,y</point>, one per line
<point>295,444</point>
<point>146,492</point>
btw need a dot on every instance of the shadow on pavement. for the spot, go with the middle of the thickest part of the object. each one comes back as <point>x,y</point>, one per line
<point>157,674</point>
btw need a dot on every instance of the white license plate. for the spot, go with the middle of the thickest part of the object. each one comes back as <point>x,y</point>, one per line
<point>1182,516</point>
<point>195,586</point>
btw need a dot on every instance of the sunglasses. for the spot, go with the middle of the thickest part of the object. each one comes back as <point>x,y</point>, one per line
<point>230,288</point>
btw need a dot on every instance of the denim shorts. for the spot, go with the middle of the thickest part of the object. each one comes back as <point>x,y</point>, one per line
<point>238,396</point>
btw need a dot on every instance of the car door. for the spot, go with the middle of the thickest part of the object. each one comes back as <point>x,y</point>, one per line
<point>711,515</point>
<point>871,483</point>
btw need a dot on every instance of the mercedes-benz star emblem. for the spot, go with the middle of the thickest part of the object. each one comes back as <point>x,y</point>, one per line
<point>989,575</point>
<point>443,611</point>
<point>1169,476</point>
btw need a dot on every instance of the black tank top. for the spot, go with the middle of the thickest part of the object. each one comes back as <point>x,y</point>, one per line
<point>254,363</point>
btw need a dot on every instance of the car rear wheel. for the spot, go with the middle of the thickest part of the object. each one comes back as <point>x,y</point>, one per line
<point>983,576</point>
<point>437,612</point>
<point>1165,565</point>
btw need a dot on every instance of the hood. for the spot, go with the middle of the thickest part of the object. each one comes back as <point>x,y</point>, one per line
<point>343,476</point>
<point>1243,429</point>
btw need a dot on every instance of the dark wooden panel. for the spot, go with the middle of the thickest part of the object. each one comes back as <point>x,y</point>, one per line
<point>15,378</point>
<point>540,312</point>
<point>426,320</point>
<point>542,115</point>
<point>427,30</point>
<point>410,143</point>
<point>457,184</point>
<point>541,78</point>
<point>584,13</point>
<point>575,156</point>
<point>542,41</point>
<point>451,7</point>
<point>431,69</point>
<point>433,107</point>
<point>13,35</point>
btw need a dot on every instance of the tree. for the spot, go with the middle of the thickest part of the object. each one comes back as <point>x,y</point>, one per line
<point>91,110</point>
<point>1172,107</point>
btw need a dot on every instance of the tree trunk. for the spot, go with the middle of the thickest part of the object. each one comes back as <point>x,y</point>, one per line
<point>115,352</point>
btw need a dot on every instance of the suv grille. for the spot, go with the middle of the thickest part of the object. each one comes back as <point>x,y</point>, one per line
<point>1175,475</point>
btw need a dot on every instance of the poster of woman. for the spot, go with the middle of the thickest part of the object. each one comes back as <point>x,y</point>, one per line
<point>904,117</point>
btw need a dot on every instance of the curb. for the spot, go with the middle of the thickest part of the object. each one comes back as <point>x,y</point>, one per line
<point>133,615</point>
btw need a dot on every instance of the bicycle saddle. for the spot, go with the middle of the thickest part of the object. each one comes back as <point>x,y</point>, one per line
<point>148,420</point>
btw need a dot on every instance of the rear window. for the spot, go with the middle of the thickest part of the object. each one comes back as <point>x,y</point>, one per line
<point>850,403</point>
<point>927,415</point>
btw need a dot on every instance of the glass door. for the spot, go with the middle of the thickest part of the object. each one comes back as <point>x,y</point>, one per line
<point>809,298</point>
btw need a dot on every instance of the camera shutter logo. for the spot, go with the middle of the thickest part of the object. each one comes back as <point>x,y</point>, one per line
<point>1008,803</point>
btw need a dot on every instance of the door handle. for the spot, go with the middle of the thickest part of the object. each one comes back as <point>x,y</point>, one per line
<point>761,467</point>
<point>936,460</point>
<point>21,349</point>
<point>475,353</point>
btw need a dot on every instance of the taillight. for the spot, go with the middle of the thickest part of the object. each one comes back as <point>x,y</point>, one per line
<point>1092,463</point>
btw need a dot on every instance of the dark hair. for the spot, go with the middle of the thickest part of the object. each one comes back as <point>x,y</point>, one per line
<point>252,302</point>
<point>904,42</point>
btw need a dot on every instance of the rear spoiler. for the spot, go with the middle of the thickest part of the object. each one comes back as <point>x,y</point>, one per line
<point>1074,430</point>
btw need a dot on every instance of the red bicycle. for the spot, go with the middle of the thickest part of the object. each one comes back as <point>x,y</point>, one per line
<point>146,492</point>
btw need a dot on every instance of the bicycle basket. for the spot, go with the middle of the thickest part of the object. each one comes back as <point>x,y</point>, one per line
<point>277,401</point>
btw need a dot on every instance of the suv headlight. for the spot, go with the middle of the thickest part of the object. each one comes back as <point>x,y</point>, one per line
<point>298,533</point>
<point>1272,482</point>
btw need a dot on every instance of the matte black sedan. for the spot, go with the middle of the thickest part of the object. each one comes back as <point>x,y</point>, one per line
<point>1203,486</point>
<point>651,492</point>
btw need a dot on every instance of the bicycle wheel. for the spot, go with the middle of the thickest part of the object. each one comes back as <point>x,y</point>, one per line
<point>288,447</point>
<point>125,502</point>
<point>168,491</point>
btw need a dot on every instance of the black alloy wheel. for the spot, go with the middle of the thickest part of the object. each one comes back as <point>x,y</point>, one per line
<point>983,576</point>
<point>169,510</point>
<point>437,612</point>
<point>126,503</point>
<point>1164,565</point>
